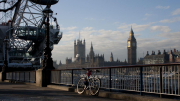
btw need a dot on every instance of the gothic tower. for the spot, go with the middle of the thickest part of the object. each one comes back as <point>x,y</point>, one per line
<point>131,48</point>
<point>111,58</point>
<point>79,48</point>
<point>91,54</point>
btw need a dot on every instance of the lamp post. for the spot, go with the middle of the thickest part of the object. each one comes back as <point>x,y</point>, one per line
<point>5,66</point>
<point>47,61</point>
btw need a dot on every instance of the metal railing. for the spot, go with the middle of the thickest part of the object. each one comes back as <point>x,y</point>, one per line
<point>23,76</point>
<point>154,78</point>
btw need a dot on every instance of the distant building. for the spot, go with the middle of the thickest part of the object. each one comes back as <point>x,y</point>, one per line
<point>140,61</point>
<point>92,60</point>
<point>165,57</point>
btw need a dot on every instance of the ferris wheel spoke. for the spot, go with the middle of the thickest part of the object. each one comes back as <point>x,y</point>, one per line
<point>29,20</point>
<point>24,22</point>
<point>37,6</point>
<point>32,15</point>
<point>39,10</point>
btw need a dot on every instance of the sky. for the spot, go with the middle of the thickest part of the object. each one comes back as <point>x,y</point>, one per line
<point>107,24</point>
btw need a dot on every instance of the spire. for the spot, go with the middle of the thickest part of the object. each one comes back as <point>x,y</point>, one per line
<point>91,49</point>
<point>131,35</point>
<point>91,53</point>
<point>111,58</point>
<point>84,42</point>
<point>91,46</point>
<point>131,32</point>
<point>60,63</point>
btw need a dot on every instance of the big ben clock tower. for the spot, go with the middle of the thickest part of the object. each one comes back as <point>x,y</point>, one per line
<point>131,48</point>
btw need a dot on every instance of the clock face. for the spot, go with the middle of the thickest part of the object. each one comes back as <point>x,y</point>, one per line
<point>134,44</point>
<point>128,44</point>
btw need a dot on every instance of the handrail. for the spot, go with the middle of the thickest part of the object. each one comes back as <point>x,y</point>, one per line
<point>123,66</point>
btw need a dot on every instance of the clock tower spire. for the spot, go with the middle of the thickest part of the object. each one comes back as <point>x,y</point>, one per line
<point>131,48</point>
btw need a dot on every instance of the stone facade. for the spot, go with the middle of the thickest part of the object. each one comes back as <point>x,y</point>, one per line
<point>165,57</point>
<point>92,60</point>
<point>79,48</point>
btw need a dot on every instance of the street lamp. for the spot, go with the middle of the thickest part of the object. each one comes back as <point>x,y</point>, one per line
<point>47,61</point>
<point>5,66</point>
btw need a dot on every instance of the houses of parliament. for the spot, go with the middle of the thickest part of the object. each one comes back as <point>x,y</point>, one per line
<point>81,60</point>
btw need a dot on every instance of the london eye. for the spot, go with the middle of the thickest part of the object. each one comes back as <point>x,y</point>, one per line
<point>23,23</point>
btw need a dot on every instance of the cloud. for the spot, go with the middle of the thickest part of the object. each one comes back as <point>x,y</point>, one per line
<point>135,27</point>
<point>69,28</point>
<point>170,20</point>
<point>172,35</point>
<point>162,7</point>
<point>152,44</point>
<point>176,12</point>
<point>147,14</point>
<point>115,41</point>
<point>87,28</point>
<point>160,28</point>
<point>103,42</point>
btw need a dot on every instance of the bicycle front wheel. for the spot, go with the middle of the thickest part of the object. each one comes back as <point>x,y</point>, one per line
<point>81,86</point>
<point>94,86</point>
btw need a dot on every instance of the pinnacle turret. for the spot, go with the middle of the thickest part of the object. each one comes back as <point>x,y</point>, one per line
<point>131,35</point>
<point>91,47</point>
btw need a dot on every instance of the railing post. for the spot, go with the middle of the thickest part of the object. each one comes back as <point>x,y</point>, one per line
<point>19,76</point>
<point>12,76</point>
<point>59,77</point>
<point>24,76</point>
<point>72,76</point>
<point>110,80</point>
<point>35,77</point>
<point>160,84</point>
<point>29,76</point>
<point>15,76</point>
<point>141,80</point>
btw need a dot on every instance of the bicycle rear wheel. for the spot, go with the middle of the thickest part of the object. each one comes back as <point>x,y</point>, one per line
<point>94,86</point>
<point>81,86</point>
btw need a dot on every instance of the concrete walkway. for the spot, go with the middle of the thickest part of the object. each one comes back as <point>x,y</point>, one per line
<point>30,92</point>
<point>115,95</point>
<point>24,92</point>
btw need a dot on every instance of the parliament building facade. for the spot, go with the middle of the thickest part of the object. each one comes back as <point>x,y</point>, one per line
<point>81,60</point>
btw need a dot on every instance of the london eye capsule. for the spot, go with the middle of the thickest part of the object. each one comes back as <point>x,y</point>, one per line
<point>45,2</point>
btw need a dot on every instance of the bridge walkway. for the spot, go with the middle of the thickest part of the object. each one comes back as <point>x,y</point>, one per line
<point>25,92</point>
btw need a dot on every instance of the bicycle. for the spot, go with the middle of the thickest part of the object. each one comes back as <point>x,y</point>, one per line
<point>92,83</point>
